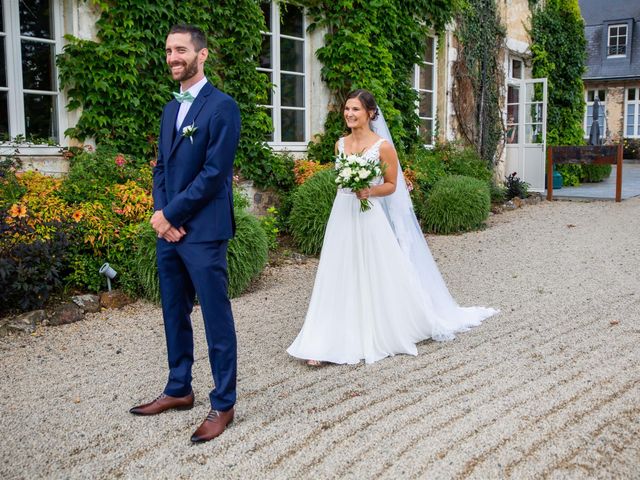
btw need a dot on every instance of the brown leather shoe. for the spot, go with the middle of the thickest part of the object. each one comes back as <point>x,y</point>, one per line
<point>215,423</point>
<point>163,403</point>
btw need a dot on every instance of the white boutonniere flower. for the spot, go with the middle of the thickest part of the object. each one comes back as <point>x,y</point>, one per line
<point>189,131</point>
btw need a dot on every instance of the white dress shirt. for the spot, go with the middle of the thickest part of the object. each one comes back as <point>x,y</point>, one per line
<point>185,106</point>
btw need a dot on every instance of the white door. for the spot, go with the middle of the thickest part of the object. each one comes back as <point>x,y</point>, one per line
<point>527,131</point>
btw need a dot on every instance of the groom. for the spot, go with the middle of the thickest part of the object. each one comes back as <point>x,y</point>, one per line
<point>194,221</point>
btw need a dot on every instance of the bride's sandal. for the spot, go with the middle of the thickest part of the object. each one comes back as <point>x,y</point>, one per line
<point>314,363</point>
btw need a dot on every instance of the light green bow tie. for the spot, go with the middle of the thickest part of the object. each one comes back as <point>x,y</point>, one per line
<point>184,97</point>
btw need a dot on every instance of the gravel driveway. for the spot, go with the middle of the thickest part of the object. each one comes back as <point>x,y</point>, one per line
<point>548,388</point>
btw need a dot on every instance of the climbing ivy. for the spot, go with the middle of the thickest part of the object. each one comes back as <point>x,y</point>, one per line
<point>479,78</point>
<point>374,45</point>
<point>559,54</point>
<point>121,81</point>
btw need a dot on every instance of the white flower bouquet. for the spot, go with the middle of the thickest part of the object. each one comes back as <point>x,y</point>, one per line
<point>356,172</point>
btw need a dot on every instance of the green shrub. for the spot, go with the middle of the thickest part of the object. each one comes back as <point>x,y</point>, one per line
<point>457,204</point>
<point>312,203</point>
<point>248,252</point>
<point>463,161</point>
<point>570,174</point>
<point>246,256</point>
<point>144,264</point>
<point>595,173</point>
<point>91,173</point>
<point>427,166</point>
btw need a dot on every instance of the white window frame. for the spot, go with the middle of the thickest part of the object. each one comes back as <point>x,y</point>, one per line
<point>433,91</point>
<point>275,71</point>
<point>626,40</point>
<point>603,112</point>
<point>636,113</point>
<point>15,87</point>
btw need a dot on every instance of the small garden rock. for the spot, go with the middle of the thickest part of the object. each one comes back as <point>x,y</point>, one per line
<point>66,313</point>
<point>24,323</point>
<point>88,303</point>
<point>114,299</point>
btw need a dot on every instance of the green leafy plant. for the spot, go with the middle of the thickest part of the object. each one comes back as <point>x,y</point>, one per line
<point>121,81</point>
<point>631,148</point>
<point>312,203</point>
<point>457,204</point>
<point>595,173</point>
<point>374,45</point>
<point>248,252</point>
<point>515,187</point>
<point>269,223</point>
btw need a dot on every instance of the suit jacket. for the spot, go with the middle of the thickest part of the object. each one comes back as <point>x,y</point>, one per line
<point>192,181</point>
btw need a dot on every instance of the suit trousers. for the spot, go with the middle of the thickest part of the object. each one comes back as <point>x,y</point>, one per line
<point>187,270</point>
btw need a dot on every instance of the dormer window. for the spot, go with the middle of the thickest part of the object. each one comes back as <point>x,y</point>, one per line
<point>617,42</point>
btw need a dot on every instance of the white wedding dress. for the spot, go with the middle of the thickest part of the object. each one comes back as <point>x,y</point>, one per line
<point>368,300</point>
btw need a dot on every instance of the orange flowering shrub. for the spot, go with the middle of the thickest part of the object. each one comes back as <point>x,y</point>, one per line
<point>132,202</point>
<point>305,169</point>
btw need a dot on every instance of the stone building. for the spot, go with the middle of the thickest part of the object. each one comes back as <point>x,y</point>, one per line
<point>613,66</point>
<point>32,33</point>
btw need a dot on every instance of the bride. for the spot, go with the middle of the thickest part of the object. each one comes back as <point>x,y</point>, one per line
<point>377,290</point>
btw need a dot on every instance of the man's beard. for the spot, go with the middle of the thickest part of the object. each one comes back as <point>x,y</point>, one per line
<point>190,69</point>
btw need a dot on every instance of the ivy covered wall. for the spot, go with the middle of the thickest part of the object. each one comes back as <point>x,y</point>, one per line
<point>121,80</point>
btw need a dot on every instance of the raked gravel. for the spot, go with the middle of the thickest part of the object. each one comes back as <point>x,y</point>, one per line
<point>548,388</point>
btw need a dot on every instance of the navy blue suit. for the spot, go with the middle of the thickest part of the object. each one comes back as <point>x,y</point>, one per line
<point>192,185</point>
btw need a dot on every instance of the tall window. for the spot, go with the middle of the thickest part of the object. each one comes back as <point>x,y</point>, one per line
<point>588,120</point>
<point>28,80</point>
<point>283,61</point>
<point>632,113</point>
<point>617,43</point>
<point>425,85</point>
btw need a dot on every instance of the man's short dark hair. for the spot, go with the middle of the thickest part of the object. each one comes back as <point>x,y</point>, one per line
<point>198,37</point>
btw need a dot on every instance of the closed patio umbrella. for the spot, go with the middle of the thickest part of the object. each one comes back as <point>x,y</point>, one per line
<point>594,134</point>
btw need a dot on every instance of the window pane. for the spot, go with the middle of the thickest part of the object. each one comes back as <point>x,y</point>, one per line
<point>4,117</point>
<point>291,55</point>
<point>426,77</point>
<point>426,131</point>
<point>40,117</point>
<point>533,113</point>
<point>292,21</point>
<point>534,133</point>
<point>512,133</point>
<point>3,65</point>
<point>292,125</point>
<point>513,94</point>
<point>512,113</point>
<point>265,54</point>
<point>631,94</point>
<point>266,11</point>
<point>601,95</point>
<point>629,129</point>
<point>35,18</point>
<point>1,18</point>
<point>428,52</point>
<point>292,90</point>
<point>426,105</point>
<point>37,66</point>
<point>516,69</point>
<point>590,95</point>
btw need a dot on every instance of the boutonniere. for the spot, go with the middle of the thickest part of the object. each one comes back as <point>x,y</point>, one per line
<point>189,131</point>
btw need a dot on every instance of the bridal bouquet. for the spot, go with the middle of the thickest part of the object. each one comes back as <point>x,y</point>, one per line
<point>356,172</point>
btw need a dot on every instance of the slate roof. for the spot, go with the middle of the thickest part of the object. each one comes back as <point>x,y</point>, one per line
<point>598,14</point>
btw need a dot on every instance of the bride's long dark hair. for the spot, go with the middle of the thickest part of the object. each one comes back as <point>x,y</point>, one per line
<point>366,98</point>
